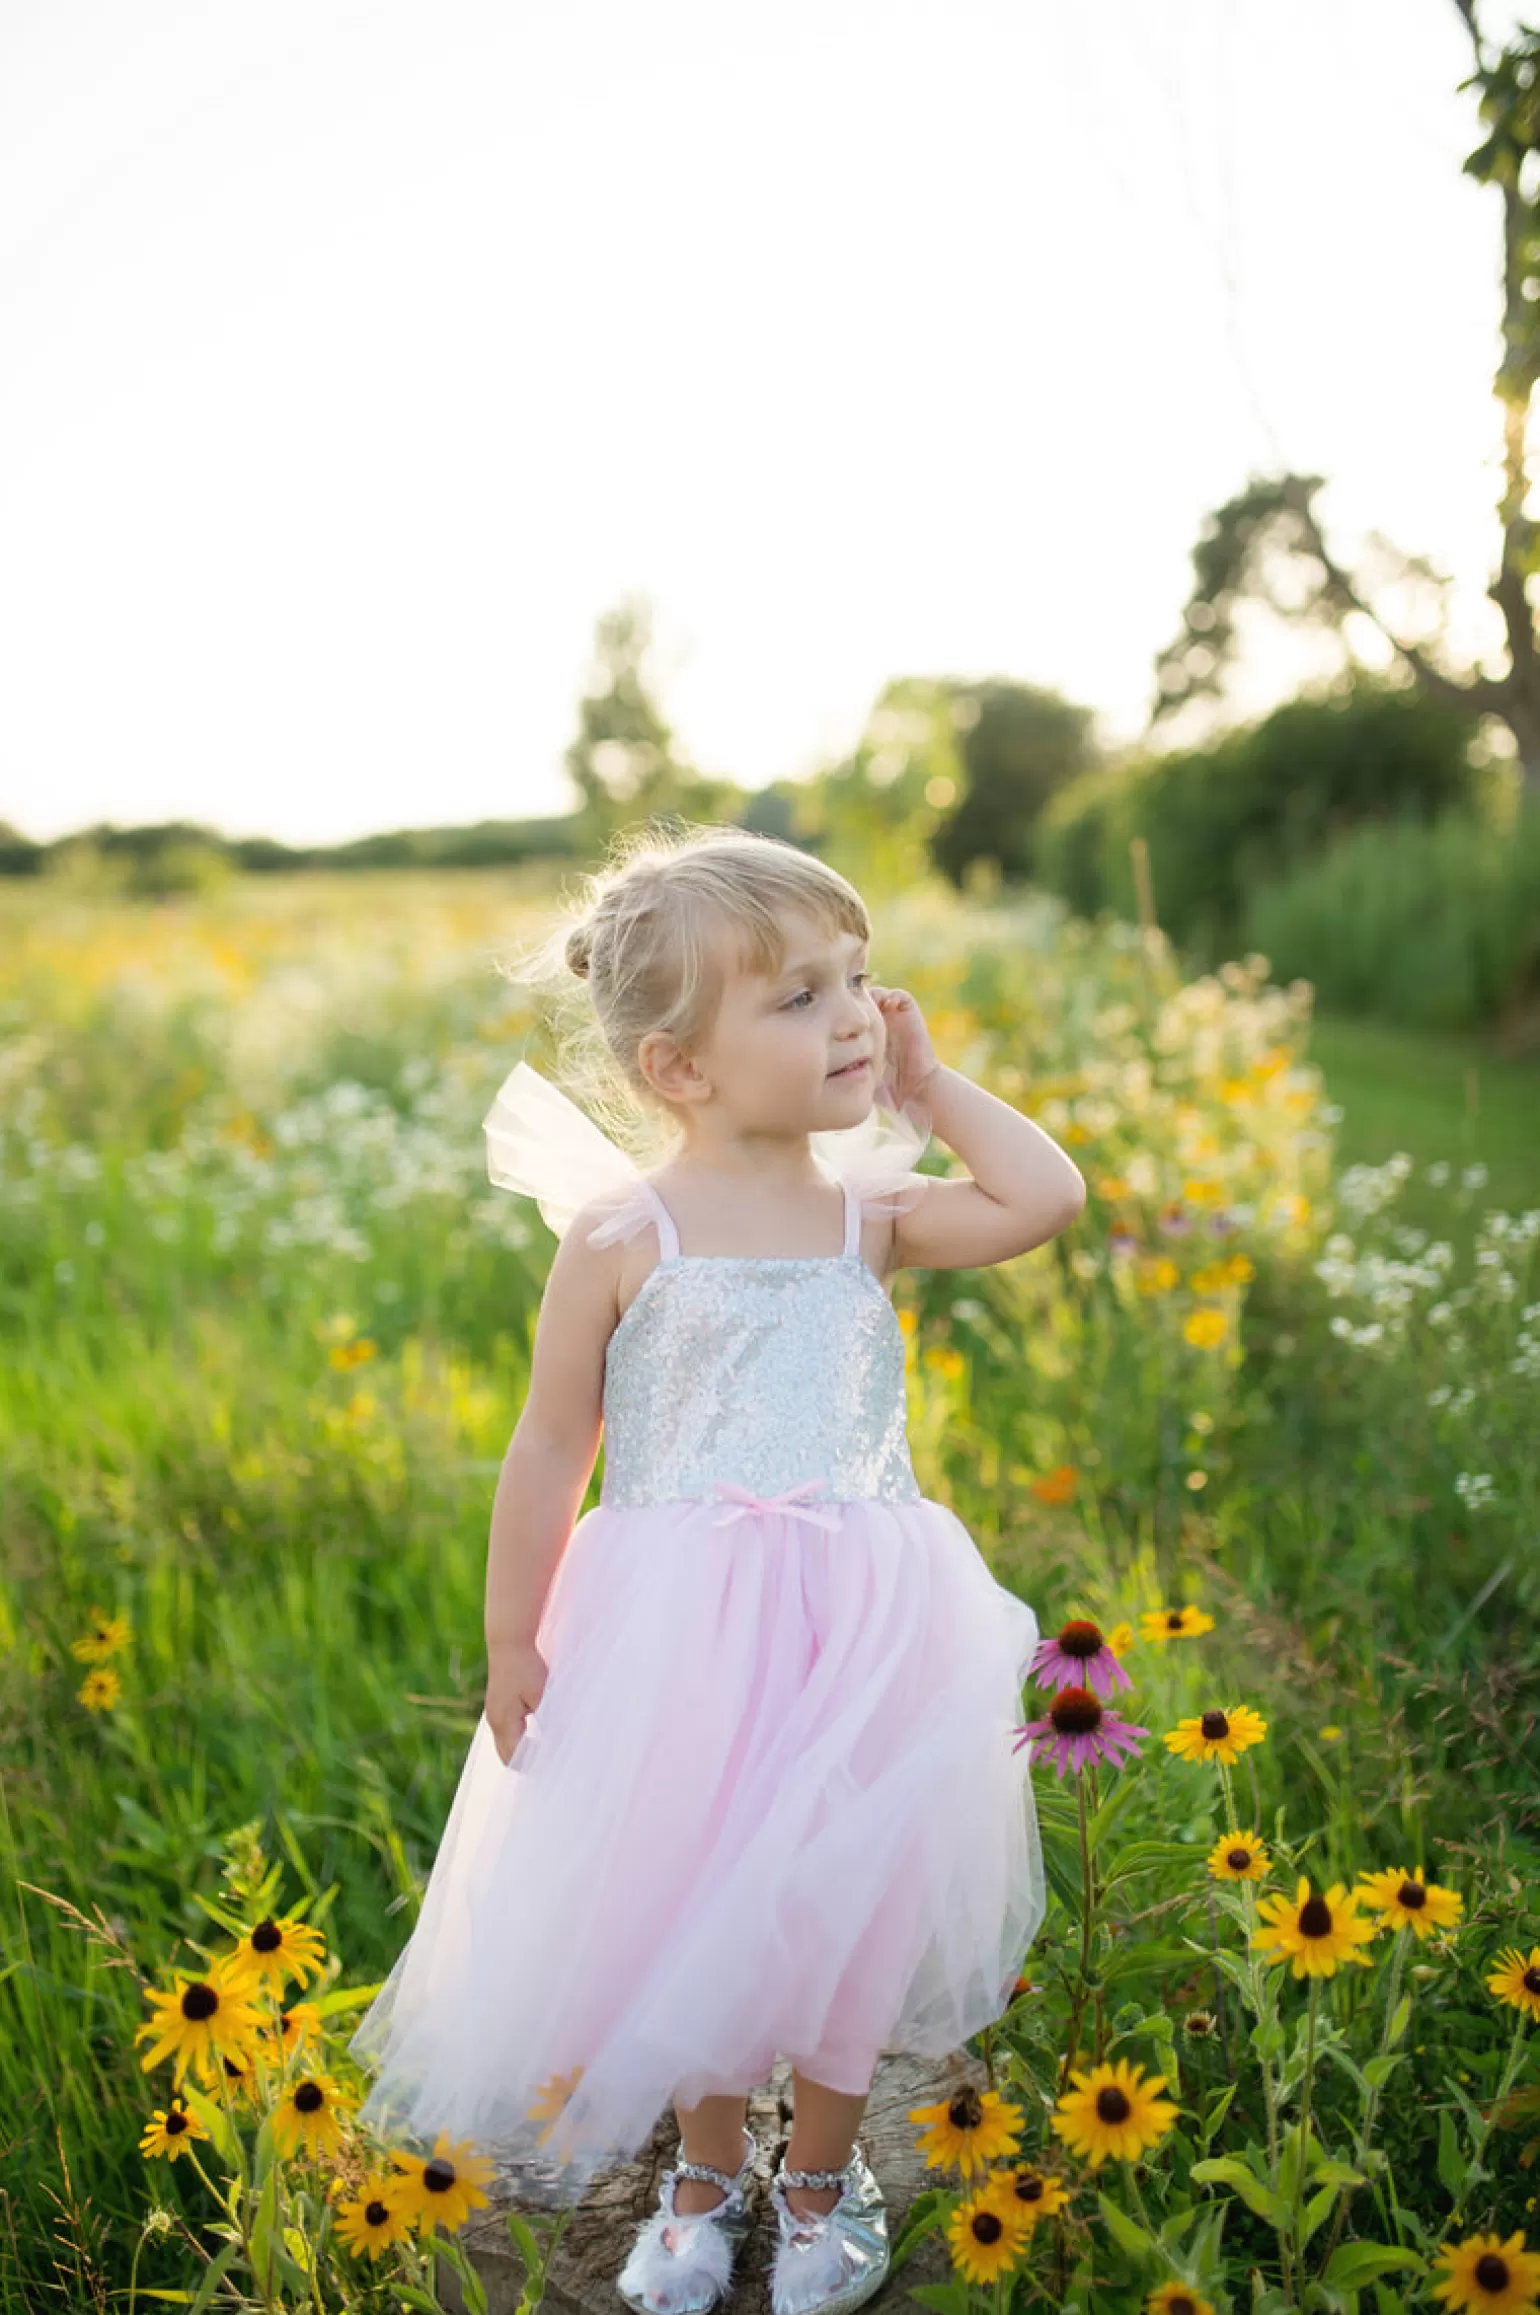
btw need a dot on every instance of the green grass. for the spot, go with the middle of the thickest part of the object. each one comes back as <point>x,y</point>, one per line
<point>1451,1098</point>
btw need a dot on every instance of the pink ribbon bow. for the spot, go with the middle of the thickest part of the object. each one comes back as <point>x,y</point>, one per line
<point>819,1515</point>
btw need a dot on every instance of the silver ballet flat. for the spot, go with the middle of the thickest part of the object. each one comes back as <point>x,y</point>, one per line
<point>829,2261</point>
<point>682,2263</point>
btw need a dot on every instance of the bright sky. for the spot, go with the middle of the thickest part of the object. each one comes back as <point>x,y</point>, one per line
<point>359,356</point>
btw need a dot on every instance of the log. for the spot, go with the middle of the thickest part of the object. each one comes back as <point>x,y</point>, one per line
<point>604,2224</point>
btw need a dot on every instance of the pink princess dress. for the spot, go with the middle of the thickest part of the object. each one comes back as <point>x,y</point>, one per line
<point>769,1803</point>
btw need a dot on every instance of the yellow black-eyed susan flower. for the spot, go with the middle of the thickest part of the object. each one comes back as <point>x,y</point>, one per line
<point>373,2218</point>
<point>1113,2110</point>
<point>171,2130</point>
<point>968,2130</point>
<point>309,2115</point>
<point>106,1636</point>
<point>1499,2278</point>
<point>1217,1735</point>
<point>1206,1327</point>
<point>201,2021</point>
<point>1175,1623</point>
<point>100,1690</point>
<point>1033,2194</point>
<point>1239,1857</point>
<point>1406,1901</point>
<point>1517,1981</point>
<point>274,1951</point>
<point>1176,2299</point>
<point>301,2020</point>
<point>1120,1639</point>
<point>444,2187</point>
<point>1313,1934</point>
<point>985,2238</point>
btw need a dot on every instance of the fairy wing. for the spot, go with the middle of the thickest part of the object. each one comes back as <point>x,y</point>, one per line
<point>878,1156</point>
<point>540,1143</point>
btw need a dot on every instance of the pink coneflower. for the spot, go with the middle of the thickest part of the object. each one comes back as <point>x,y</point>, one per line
<point>1122,1242</point>
<point>1078,1727</point>
<point>1078,1657</point>
<point>1175,1221</point>
<point>1222,1224</point>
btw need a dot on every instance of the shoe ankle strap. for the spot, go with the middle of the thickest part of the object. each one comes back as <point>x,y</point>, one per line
<point>821,2178</point>
<point>721,2178</point>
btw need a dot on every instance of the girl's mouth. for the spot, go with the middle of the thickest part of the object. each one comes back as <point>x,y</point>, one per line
<point>851,1069</point>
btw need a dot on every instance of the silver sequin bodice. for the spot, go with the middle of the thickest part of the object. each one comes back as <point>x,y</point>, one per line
<point>761,1371</point>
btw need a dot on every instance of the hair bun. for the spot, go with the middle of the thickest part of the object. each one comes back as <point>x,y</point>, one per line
<point>579,949</point>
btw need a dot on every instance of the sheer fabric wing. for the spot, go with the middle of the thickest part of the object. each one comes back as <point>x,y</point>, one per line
<point>879,1155</point>
<point>540,1143</point>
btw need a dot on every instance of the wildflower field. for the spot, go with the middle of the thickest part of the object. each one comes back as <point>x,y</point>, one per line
<point>1260,1452</point>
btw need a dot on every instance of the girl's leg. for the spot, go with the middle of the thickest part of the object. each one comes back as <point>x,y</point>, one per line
<point>823,2132</point>
<point>711,2132</point>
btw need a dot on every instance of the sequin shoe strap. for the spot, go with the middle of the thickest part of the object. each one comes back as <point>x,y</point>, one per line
<point>820,2178</point>
<point>704,2171</point>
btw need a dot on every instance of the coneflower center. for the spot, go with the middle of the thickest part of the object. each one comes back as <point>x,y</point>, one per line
<point>438,2177</point>
<point>1238,1860</point>
<point>266,1937</point>
<point>176,2120</point>
<point>1174,1619</point>
<point>986,2227</point>
<point>1111,2105</point>
<point>309,2096</point>
<point>1491,2272</point>
<point>1030,2188</point>
<point>966,2110</point>
<point>1075,1712</point>
<point>200,2001</point>
<point>1412,1895</point>
<point>1081,1639</point>
<point>1532,1981</point>
<point>1180,2304</point>
<point>1214,1726</point>
<point>1315,1918</point>
<point>377,2213</point>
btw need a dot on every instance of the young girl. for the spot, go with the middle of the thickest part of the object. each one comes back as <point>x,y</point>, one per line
<point>744,1785</point>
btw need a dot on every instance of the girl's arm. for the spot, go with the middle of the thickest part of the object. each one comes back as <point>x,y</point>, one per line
<point>555,1443</point>
<point>1024,1190</point>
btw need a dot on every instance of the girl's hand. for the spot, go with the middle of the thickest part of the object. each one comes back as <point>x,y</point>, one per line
<point>911,1057</point>
<point>516,1680</point>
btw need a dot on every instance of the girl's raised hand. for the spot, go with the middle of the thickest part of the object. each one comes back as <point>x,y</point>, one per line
<point>516,1680</point>
<point>911,1057</point>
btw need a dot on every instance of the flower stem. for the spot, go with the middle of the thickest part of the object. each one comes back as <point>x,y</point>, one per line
<point>1262,2003</point>
<point>1087,1912</point>
<point>1304,2123</point>
<point>1392,1998</point>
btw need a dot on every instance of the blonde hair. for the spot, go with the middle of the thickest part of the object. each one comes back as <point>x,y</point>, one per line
<point>656,933</point>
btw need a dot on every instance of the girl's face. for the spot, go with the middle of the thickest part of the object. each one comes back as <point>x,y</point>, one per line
<point>779,1053</point>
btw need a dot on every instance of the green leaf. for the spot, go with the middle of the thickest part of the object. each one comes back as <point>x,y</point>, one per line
<point>1109,1812</point>
<point>1388,2302</point>
<point>926,2215</point>
<point>1225,2170</point>
<point>1217,2113</point>
<point>1173,2228</point>
<point>1351,2265</point>
<point>415,2298</point>
<point>946,2298</point>
<point>1317,2209</point>
<point>1377,2071</point>
<point>1451,2162</point>
<point>213,2275</point>
<point>263,2248</point>
<point>1146,1856</point>
<point>1126,2232</point>
<point>1333,2173</point>
<point>1398,2023</point>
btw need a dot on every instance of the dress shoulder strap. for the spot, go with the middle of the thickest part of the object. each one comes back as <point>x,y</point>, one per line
<point>668,1236</point>
<point>852,1216</point>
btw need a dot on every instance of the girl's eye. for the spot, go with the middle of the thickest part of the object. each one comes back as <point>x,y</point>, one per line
<point>795,1003</point>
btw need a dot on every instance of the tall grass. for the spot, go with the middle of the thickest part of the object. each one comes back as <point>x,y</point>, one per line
<point>1434,925</point>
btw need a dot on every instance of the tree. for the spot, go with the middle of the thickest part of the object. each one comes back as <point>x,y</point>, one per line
<point>1237,550</point>
<point>623,762</point>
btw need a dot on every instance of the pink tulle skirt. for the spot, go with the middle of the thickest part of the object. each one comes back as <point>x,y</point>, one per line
<point>769,1806</point>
